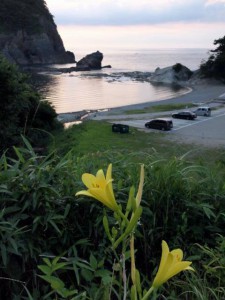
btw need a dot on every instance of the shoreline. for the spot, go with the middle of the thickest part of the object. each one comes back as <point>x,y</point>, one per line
<point>201,92</point>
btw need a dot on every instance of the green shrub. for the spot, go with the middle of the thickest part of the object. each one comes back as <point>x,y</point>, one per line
<point>177,67</point>
<point>40,216</point>
<point>21,110</point>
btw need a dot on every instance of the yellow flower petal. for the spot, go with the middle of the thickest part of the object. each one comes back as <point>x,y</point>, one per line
<point>89,180</point>
<point>85,193</point>
<point>100,188</point>
<point>109,173</point>
<point>100,178</point>
<point>109,180</point>
<point>165,253</point>
<point>164,257</point>
<point>190,268</point>
<point>170,265</point>
<point>182,266</point>
<point>99,195</point>
<point>178,254</point>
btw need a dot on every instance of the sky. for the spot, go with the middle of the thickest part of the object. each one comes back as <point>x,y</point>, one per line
<point>140,24</point>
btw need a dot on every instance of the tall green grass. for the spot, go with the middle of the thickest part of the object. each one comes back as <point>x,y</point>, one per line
<point>183,203</point>
<point>97,137</point>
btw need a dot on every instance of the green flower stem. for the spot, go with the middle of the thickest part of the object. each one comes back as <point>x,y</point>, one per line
<point>116,256</point>
<point>148,293</point>
<point>133,267</point>
<point>122,216</point>
<point>130,227</point>
<point>121,272</point>
<point>118,241</point>
<point>124,277</point>
<point>123,235</point>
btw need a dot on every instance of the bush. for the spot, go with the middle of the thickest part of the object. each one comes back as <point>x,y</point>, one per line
<point>177,67</point>
<point>182,203</point>
<point>21,109</point>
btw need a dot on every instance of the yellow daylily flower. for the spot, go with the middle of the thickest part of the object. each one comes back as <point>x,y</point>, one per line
<point>170,265</point>
<point>100,188</point>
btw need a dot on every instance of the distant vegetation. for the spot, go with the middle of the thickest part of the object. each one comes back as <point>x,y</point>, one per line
<point>214,67</point>
<point>21,110</point>
<point>22,15</point>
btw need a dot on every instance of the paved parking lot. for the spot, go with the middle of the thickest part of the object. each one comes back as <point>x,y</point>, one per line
<point>208,131</point>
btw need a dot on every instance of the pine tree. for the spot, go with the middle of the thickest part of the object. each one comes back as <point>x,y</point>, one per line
<point>214,67</point>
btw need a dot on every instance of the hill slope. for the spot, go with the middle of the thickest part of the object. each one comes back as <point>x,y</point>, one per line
<point>28,34</point>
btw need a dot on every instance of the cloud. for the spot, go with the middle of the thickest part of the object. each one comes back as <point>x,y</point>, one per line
<point>135,12</point>
<point>212,2</point>
<point>176,35</point>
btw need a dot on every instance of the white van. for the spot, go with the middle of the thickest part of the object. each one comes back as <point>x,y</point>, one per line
<point>203,111</point>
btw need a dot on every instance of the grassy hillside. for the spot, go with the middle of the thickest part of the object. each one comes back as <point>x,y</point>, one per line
<point>97,136</point>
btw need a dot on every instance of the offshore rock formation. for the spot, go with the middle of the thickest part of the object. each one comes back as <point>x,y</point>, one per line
<point>29,35</point>
<point>91,61</point>
<point>175,74</point>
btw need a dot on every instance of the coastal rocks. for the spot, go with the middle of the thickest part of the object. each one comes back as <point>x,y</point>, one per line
<point>121,76</point>
<point>29,35</point>
<point>175,74</point>
<point>91,61</point>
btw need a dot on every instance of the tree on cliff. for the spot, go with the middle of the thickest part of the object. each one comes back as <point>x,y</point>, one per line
<point>214,67</point>
<point>21,111</point>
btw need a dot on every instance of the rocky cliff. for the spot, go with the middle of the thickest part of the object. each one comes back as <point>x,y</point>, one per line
<point>28,34</point>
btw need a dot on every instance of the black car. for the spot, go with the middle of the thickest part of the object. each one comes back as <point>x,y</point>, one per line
<point>162,124</point>
<point>188,115</point>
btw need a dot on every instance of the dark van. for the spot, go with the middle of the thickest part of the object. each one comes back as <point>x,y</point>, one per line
<point>161,124</point>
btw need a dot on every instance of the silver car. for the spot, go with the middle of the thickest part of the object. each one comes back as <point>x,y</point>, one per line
<point>203,111</point>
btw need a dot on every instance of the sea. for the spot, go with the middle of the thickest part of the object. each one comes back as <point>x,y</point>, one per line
<point>89,90</point>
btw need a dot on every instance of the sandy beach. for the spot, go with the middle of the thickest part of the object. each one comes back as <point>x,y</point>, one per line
<point>201,91</point>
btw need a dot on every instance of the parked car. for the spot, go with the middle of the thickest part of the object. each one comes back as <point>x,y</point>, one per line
<point>203,111</point>
<point>188,115</point>
<point>121,128</point>
<point>162,124</point>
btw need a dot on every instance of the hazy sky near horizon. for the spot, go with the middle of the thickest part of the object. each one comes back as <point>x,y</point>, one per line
<point>93,24</point>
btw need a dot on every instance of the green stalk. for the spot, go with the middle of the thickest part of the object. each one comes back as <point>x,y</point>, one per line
<point>122,216</point>
<point>148,293</point>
